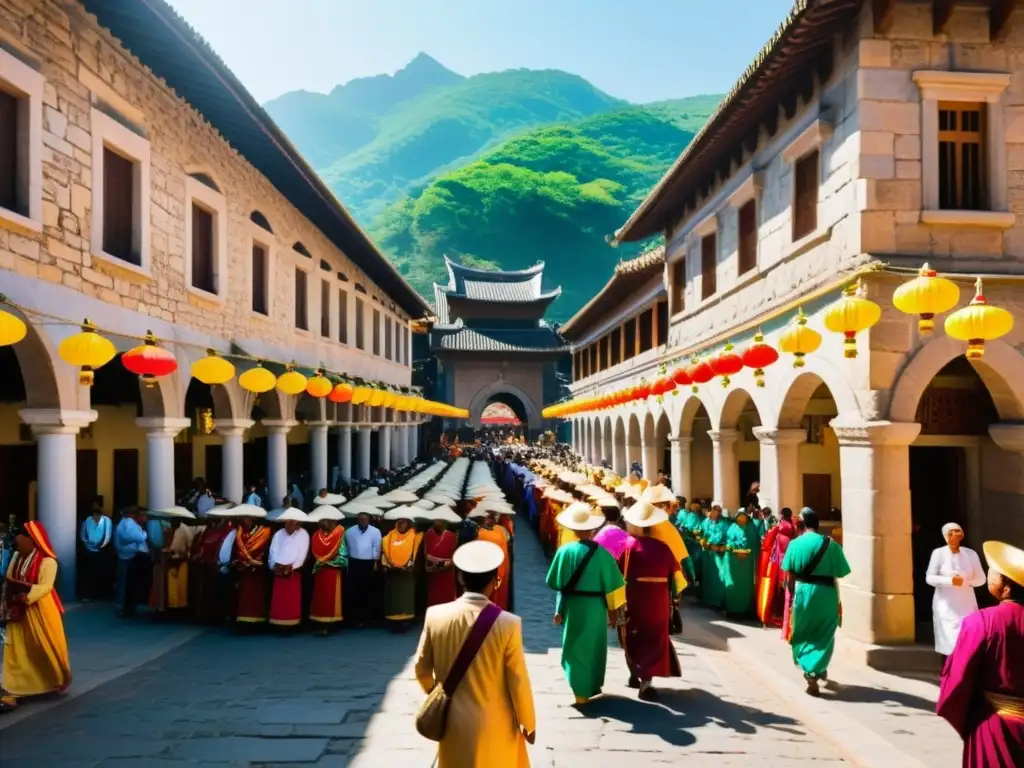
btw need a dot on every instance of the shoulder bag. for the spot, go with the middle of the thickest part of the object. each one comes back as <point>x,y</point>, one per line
<point>569,590</point>
<point>432,718</point>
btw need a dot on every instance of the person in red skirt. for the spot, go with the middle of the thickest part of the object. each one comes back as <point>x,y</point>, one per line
<point>439,546</point>
<point>329,557</point>
<point>288,551</point>
<point>246,549</point>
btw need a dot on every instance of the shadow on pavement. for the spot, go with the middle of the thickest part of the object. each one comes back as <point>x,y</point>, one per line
<point>863,695</point>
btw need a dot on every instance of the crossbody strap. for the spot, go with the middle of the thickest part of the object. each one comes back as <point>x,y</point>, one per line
<point>470,646</point>
<point>807,572</point>
<point>570,586</point>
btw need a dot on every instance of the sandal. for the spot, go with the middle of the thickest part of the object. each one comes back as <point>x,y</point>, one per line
<point>8,704</point>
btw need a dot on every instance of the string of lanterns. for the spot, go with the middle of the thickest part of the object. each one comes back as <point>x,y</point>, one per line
<point>88,350</point>
<point>925,297</point>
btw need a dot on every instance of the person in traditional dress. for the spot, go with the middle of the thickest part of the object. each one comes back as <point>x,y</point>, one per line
<point>814,563</point>
<point>35,649</point>
<point>439,547</point>
<point>363,542</point>
<point>245,550</point>
<point>713,534</point>
<point>329,558</point>
<point>289,549</point>
<point>688,521</point>
<point>743,547</point>
<point>398,559</point>
<point>955,571</point>
<point>591,596</point>
<point>654,581</point>
<point>157,540</point>
<point>666,532</point>
<point>494,533</point>
<point>95,534</point>
<point>981,693</point>
<point>612,535</point>
<point>771,585</point>
<point>134,566</point>
<point>176,564</point>
<point>209,577</point>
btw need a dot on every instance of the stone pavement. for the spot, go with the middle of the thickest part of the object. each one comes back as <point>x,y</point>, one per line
<point>153,696</point>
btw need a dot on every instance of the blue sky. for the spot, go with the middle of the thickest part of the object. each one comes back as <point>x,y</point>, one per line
<point>641,50</point>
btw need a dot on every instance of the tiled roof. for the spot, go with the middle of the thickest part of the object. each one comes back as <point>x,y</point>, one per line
<point>526,290</point>
<point>651,260</point>
<point>499,286</point>
<point>518,340</point>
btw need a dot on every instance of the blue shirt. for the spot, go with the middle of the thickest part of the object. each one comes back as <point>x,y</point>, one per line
<point>155,534</point>
<point>205,504</point>
<point>254,499</point>
<point>129,539</point>
<point>363,545</point>
<point>96,535</point>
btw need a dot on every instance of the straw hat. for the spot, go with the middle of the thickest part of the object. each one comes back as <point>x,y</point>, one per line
<point>172,513</point>
<point>643,514</point>
<point>290,515</point>
<point>1006,559</point>
<point>239,510</point>
<point>478,557</point>
<point>629,491</point>
<point>402,513</point>
<point>580,517</point>
<point>658,494</point>
<point>325,512</point>
<point>331,499</point>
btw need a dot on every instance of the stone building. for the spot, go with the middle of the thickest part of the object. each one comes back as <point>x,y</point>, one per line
<point>490,344</point>
<point>864,140</point>
<point>147,190</point>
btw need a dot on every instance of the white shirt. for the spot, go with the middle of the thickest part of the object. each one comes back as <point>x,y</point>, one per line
<point>289,548</point>
<point>363,545</point>
<point>951,605</point>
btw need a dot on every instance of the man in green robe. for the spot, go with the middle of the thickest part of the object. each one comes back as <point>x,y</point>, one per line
<point>591,595</point>
<point>689,520</point>
<point>713,561</point>
<point>743,546</point>
<point>813,562</point>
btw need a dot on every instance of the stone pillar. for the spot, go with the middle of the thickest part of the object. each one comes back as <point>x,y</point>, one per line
<point>232,432</point>
<point>318,470</point>
<point>363,455</point>
<point>384,447</point>
<point>620,459</point>
<point>878,596</point>
<point>412,436</point>
<point>399,443</point>
<point>649,459</point>
<point>680,447</point>
<point>277,458</point>
<point>160,434</point>
<point>781,478</point>
<point>727,467</point>
<point>345,452</point>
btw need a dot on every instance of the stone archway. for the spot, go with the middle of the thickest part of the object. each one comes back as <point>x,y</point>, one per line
<point>512,396</point>
<point>737,457</point>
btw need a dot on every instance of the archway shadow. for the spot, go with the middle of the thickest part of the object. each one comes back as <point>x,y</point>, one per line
<point>677,714</point>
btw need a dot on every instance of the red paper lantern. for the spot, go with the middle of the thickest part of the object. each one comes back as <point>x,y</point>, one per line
<point>681,377</point>
<point>662,386</point>
<point>342,393</point>
<point>700,372</point>
<point>149,361</point>
<point>726,363</point>
<point>759,356</point>
<point>642,391</point>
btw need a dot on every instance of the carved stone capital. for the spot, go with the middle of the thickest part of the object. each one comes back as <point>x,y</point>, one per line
<point>778,436</point>
<point>1009,437</point>
<point>723,436</point>
<point>876,433</point>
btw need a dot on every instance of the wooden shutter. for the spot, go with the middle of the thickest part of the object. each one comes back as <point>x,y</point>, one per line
<point>387,338</point>
<point>646,330</point>
<point>616,344</point>
<point>259,279</point>
<point>9,152</point>
<point>662,324</point>
<point>630,339</point>
<point>805,197</point>
<point>343,317</point>
<point>301,301</point>
<point>747,226</point>
<point>202,250</point>
<point>119,206</point>
<point>709,265</point>
<point>360,325</point>
<point>325,309</point>
<point>961,156</point>
<point>376,332</point>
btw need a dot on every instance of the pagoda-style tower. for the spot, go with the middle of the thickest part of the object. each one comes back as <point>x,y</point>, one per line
<point>490,342</point>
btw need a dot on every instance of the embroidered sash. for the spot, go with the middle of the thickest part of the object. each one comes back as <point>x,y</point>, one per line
<point>252,546</point>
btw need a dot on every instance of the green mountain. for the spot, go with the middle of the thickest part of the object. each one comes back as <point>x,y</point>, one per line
<point>375,139</point>
<point>552,193</point>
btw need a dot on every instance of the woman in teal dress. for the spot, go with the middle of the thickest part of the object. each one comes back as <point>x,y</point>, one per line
<point>689,521</point>
<point>713,562</point>
<point>743,546</point>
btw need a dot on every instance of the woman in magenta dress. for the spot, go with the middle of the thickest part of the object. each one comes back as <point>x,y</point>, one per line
<point>653,581</point>
<point>982,688</point>
<point>771,587</point>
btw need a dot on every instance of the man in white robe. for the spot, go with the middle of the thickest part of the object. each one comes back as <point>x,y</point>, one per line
<point>288,551</point>
<point>954,571</point>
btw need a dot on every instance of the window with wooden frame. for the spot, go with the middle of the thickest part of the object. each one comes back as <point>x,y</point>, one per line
<point>629,329</point>
<point>343,316</point>
<point>301,299</point>
<point>260,279</point>
<point>11,138</point>
<point>594,368</point>
<point>679,286</point>
<point>662,336</point>
<point>616,345</point>
<point>708,265</point>
<point>121,195</point>
<point>406,356</point>
<point>21,142</point>
<point>962,184</point>
<point>387,338</point>
<point>376,332</point>
<point>805,195</point>
<point>646,330</point>
<point>119,206</point>
<point>602,354</point>
<point>577,374</point>
<point>325,309</point>
<point>360,324</point>
<point>746,225</point>
<point>203,272</point>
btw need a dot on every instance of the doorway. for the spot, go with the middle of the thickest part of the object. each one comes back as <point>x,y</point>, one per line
<point>750,473</point>
<point>126,477</point>
<point>214,468</point>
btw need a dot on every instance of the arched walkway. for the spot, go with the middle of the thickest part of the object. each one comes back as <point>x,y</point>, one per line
<point>510,395</point>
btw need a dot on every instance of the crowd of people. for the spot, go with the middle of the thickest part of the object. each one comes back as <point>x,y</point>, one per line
<point>624,552</point>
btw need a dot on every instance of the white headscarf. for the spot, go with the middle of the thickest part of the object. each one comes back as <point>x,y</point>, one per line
<point>951,527</point>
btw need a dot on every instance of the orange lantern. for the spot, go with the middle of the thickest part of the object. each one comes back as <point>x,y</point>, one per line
<point>342,393</point>
<point>319,385</point>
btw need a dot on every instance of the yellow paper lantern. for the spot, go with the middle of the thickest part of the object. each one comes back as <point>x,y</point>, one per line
<point>926,296</point>
<point>360,395</point>
<point>389,399</point>
<point>376,398</point>
<point>257,380</point>
<point>319,385</point>
<point>213,369</point>
<point>291,382</point>
<point>799,340</point>
<point>850,315</point>
<point>86,351</point>
<point>978,322</point>
<point>12,329</point>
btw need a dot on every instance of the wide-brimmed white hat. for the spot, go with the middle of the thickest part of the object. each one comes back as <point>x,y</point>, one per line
<point>629,491</point>
<point>325,512</point>
<point>442,513</point>
<point>1004,558</point>
<point>580,517</point>
<point>371,491</point>
<point>238,510</point>
<point>400,496</point>
<point>478,557</point>
<point>289,515</point>
<point>556,494</point>
<point>402,513</point>
<point>172,513</point>
<point>354,509</point>
<point>424,504</point>
<point>643,514</point>
<point>657,494</point>
<point>501,507</point>
<point>331,499</point>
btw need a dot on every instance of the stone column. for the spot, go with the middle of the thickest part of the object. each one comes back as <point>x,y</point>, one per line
<point>680,447</point>
<point>620,459</point>
<point>412,436</point>
<point>277,458</point>
<point>878,596</point>
<point>633,454</point>
<point>345,452</point>
<point>319,473</point>
<point>398,443</point>
<point>57,500</point>
<point>384,447</point>
<point>727,467</point>
<point>232,432</point>
<point>363,454</point>
<point>649,459</point>
<point>781,478</point>
<point>160,434</point>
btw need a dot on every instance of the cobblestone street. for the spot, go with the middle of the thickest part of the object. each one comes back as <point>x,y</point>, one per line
<point>147,696</point>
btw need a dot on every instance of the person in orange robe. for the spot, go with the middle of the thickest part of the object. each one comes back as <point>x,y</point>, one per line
<point>439,546</point>
<point>494,533</point>
<point>247,546</point>
<point>329,557</point>
<point>398,552</point>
